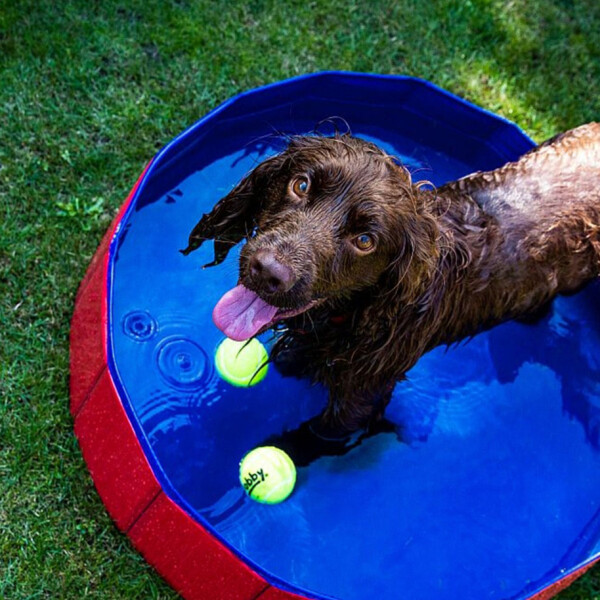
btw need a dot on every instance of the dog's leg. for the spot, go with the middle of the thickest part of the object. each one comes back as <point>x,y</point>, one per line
<point>352,411</point>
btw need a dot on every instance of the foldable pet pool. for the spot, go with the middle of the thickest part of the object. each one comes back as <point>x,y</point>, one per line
<point>484,481</point>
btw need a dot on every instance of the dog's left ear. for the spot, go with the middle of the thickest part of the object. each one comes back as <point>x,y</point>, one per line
<point>417,243</point>
<point>233,217</point>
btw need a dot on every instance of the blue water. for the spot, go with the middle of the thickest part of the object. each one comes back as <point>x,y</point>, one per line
<point>485,484</point>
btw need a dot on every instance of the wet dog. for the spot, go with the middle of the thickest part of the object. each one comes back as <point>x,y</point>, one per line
<point>362,270</point>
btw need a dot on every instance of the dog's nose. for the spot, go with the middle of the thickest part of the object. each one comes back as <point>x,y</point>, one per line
<point>269,273</point>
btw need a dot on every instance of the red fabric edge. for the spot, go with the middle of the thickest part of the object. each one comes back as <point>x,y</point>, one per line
<point>562,584</point>
<point>189,558</point>
<point>120,471</point>
<point>274,593</point>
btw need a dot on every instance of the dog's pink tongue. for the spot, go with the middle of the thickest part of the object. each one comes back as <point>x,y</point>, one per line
<point>241,313</point>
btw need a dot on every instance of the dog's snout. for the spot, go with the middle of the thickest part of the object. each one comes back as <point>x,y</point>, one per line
<point>270,274</point>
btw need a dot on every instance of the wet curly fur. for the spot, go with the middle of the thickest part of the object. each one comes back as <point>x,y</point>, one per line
<point>446,263</point>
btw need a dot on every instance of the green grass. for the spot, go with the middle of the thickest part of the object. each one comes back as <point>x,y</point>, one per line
<point>90,90</point>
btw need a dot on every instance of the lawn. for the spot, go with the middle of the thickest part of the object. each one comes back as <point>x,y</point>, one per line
<point>90,90</point>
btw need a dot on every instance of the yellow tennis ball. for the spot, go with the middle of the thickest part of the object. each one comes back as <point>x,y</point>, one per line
<point>241,363</point>
<point>267,474</point>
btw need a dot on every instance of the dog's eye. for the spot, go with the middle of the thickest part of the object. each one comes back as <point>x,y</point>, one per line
<point>300,185</point>
<point>364,242</point>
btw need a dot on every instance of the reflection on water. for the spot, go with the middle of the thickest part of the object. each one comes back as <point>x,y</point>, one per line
<point>483,479</point>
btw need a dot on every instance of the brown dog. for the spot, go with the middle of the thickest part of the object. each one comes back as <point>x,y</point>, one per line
<point>364,271</point>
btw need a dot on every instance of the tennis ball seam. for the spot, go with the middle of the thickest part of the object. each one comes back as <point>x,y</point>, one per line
<point>290,480</point>
<point>259,366</point>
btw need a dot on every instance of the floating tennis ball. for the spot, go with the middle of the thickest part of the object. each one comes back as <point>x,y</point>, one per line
<point>241,363</point>
<point>267,474</point>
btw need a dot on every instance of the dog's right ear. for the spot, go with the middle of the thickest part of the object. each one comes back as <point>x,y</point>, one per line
<point>233,217</point>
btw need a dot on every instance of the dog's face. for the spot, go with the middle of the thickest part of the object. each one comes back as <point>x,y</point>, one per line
<point>325,227</point>
<point>324,219</point>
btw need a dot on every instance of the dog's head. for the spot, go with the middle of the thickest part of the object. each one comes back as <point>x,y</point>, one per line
<point>326,218</point>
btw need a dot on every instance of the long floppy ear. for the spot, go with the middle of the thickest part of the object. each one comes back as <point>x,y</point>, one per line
<point>417,240</point>
<point>415,267</point>
<point>233,217</point>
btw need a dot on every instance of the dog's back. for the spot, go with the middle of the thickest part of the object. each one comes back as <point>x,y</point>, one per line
<point>547,205</point>
<point>552,180</point>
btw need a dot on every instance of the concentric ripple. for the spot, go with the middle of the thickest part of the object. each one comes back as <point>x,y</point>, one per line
<point>182,363</point>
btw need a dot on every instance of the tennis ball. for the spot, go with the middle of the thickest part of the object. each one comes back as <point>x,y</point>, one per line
<point>267,474</point>
<point>241,363</point>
